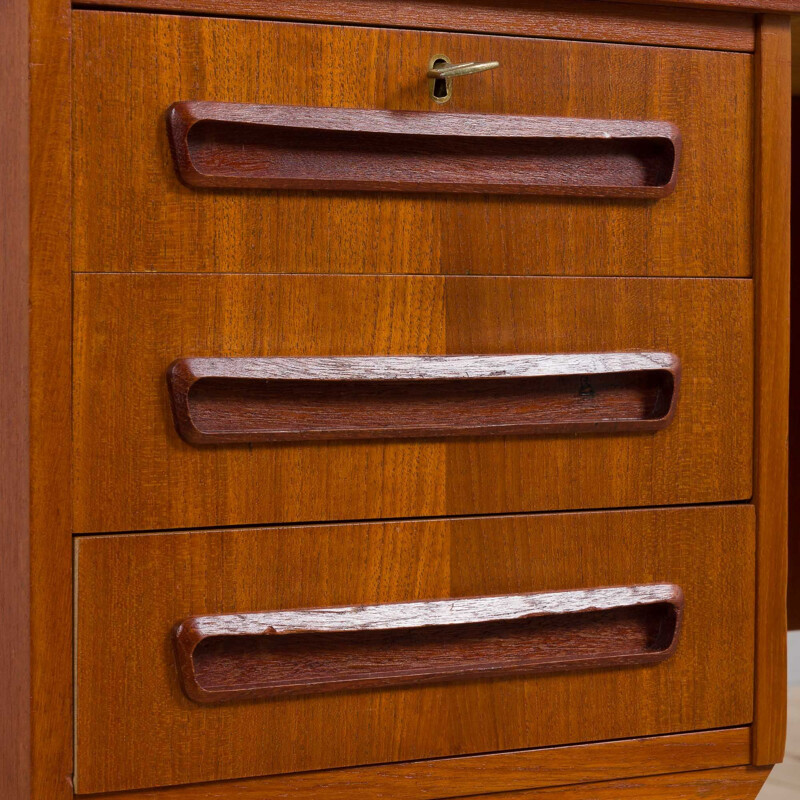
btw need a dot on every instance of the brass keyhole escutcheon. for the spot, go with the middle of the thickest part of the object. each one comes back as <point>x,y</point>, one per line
<point>441,89</point>
<point>441,72</point>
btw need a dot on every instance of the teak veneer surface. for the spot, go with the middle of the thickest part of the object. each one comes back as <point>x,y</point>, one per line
<point>793,599</point>
<point>132,213</point>
<point>772,279</point>
<point>590,20</point>
<point>777,6</point>
<point>563,14</point>
<point>736,783</point>
<point>492,772</point>
<point>133,589</point>
<point>49,314</point>
<point>41,766</point>
<point>129,329</point>
<point>15,580</point>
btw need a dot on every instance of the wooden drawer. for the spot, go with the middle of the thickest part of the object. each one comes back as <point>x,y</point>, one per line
<point>132,471</point>
<point>133,590</point>
<point>131,213</point>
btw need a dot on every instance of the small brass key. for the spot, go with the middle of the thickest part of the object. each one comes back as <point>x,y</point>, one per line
<point>441,72</point>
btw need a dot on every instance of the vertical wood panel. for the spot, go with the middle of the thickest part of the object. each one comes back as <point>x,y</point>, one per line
<point>771,270</point>
<point>50,406</point>
<point>794,372</point>
<point>14,549</point>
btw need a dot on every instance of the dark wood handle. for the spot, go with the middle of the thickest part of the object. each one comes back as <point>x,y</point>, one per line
<point>305,651</point>
<point>232,145</point>
<point>230,400</point>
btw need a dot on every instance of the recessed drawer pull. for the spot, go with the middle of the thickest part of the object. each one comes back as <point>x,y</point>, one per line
<point>305,651</point>
<point>231,145</point>
<point>229,400</point>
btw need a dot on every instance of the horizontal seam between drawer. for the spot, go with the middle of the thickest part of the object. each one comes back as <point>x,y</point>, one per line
<point>390,520</point>
<point>438,275</point>
<point>145,9</point>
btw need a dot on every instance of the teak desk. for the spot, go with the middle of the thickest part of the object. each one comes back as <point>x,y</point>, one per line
<point>394,398</point>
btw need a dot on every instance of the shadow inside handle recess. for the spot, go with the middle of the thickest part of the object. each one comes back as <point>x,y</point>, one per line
<point>416,162</point>
<point>253,410</point>
<point>312,662</point>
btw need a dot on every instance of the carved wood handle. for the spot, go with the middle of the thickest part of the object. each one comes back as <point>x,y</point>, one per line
<point>304,651</point>
<point>229,400</point>
<point>233,145</point>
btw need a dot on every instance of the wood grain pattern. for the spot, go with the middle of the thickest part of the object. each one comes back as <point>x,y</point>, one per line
<point>15,583</point>
<point>236,145</point>
<point>50,319</point>
<point>230,657</point>
<point>559,19</point>
<point>50,756</point>
<point>133,589</point>
<point>132,213</point>
<point>777,6</point>
<point>737,783</point>
<point>772,278</point>
<point>793,593</point>
<point>230,400</point>
<point>752,6</point>
<point>128,329</point>
<point>495,772</point>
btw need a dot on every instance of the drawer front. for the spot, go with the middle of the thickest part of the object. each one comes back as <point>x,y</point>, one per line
<point>128,330</point>
<point>132,213</point>
<point>133,590</point>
